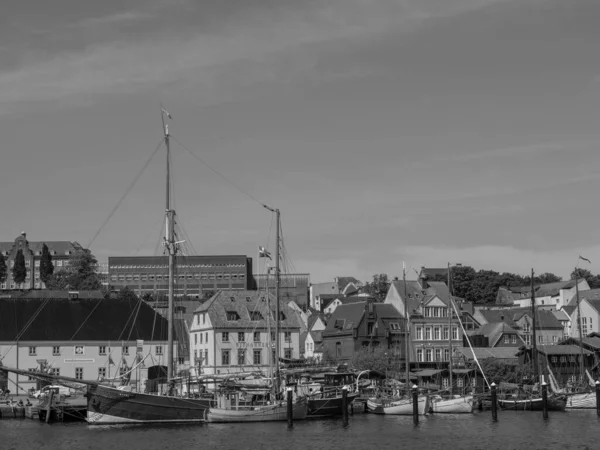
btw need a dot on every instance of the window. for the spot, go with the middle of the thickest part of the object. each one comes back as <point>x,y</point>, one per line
<point>159,349</point>
<point>554,339</point>
<point>101,372</point>
<point>419,336</point>
<point>225,357</point>
<point>201,336</point>
<point>79,373</point>
<point>540,339</point>
<point>338,349</point>
<point>459,382</point>
<point>420,354</point>
<point>31,378</point>
<point>232,316</point>
<point>123,371</point>
<point>446,354</point>
<point>437,335</point>
<point>195,338</point>
<point>255,315</point>
<point>241,336</point>
<point>427,333</point>
<point>445,383</point>
<point>241,356</point>
<point>272,336</point>
<point>287,336</point>
<point>256,336</point>
<point>527,339</point>
<point>102,350</point>
<point>527,328</point>
<point>225,336</point>
<point>429,354</point>
<point>55,371</point>
<point>287,353</point>
<point>438,354</point>
<point>446,334</point>
<point>125,350</point>
<point>455,333</point>
<point>206,357</point>
<point>514,338</point>
<point>32,351</point>
<point>256,357</point>
<point>56,351</point>
<point>506,339</point>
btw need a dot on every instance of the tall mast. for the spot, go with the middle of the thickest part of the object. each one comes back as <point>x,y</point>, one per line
<point>277,312</point>
<point>450,332</point>
<point>581,366</point>
<point>534,348</point>
<point>171,248</point>
<point>407,331</point>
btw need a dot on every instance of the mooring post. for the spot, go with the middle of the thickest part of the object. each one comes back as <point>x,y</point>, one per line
<point>290,408</point>
<point>49,408</point>
<point>415,399</point>
<point>598,397</point>
<point>544,400</point>
<point>345,405</point>
<point>494,402</point>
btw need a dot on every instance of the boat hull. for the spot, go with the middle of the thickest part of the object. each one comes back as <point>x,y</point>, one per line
<point>326,407</point>
<point>108,405</point>
<point>402,407</point>
<point>533,404</point>
<point>585,400</point>
<point>270,413</point>
<point>460,405</point>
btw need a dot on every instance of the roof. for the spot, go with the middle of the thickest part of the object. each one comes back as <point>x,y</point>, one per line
<point>488,352</point>
<point>43,293</point>
<point>507,294</point>
<point>60,247</point>
<point>79,320</point>
<point>494,331</point>
<point>244,303</point>
<point>342,282</point>
<point>352,313</point>
<point>427,372</point>
<point>567,349</point>
<point>317,336</point>
<point>545,320</point>
<point>312,319</point>
<point>591,341</point>
<point>302,339</point>
<point>417,295</point>
<point>561,315</point>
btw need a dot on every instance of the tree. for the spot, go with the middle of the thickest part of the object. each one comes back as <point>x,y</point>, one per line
<point>484,287</point>
<point>592,280</point>
<point>3,269</point>
<point>376,358</point>
<point>19,270</point>
<point>548,278</point>
<point>46,266</point>
<point>128,295</point>
<point>462,277</point>
<point>81,274</point>
<point>378,288</point>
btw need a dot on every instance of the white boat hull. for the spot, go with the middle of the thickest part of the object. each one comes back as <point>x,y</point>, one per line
<point>459,405</point>
<point>585,400</point>
<point>269,413</point>
<point>403,407</point>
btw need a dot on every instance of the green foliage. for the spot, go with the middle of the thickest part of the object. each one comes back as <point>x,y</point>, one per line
<point>81,274</point>
<point>128,294</point>
<point>19,271</point>
<point>497,371</point>
<point>46,266</point>
<point>3,269</point>
<point>377,358</point>
<point>592,280</point>
<point>378,287</point>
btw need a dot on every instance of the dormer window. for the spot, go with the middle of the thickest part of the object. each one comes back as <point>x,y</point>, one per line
<point>232,316</point>
<point>255,315</point>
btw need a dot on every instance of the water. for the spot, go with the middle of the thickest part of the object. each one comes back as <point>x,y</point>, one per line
<point>514,430</point>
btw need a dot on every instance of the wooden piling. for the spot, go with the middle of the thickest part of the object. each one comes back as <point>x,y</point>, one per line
<point>290,408</point>
<point>345,406</point>
<point>494,402</point>
<point>49,407</point>
<point>415,399</point>
<point>598,397</point>
<point>545,400</point>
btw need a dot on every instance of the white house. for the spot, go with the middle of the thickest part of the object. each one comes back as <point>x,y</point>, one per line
<point>234,331</point>
<point>547,296</point>
<point>589,306</point>
<point>313,346</point>
<point>83,338</point>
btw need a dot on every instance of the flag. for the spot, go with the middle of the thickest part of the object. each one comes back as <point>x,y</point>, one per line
<point>263,253</point>
<point>585,259</point>
<point>167,113</point>
<point>110,361</point>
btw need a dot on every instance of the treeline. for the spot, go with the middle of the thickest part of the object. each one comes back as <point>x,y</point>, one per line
<point>481,286</point>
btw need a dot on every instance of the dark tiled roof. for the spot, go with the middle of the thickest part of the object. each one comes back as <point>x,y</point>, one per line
<point>562,350</point>
<point>544,319</point>
<point>495,331</point>
<point>352,313</point>
<point>591,295</point>
<point>60,247</point>
<point>317,336</point>
<point>342,282</point>
<point>43,293</point>
<point>417,295</point>
<point>506,295</point>
<point>244,303</point>
<point>314,317</point>
<point>591,341</point>
<point>488,352</point>
<point>82,319</point>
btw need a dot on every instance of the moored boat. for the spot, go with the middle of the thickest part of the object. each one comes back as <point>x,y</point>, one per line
<point>582,400</point>
<point>456,405</point>
<point>400,407</point>
<point>555,403</point>
<point>227,412</point>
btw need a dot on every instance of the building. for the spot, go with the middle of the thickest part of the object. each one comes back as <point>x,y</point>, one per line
<point>431,328</point>
<point>362,325</point>
<point>32,251</point>
<point>234,331</point>
<point>589,307</point>
<point>196,276</point>
<point>330,305</point>
<point>563,360</point>
<point>292,287</point>
<point>83,336</point>
<point>547,296</point>
<point>496,334</point>
<point>313,346</point>
<point>339,286</point>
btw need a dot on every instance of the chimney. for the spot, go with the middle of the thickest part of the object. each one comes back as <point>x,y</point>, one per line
<point>502,317</point>
<point>423,279</point>
<point>24,235</point>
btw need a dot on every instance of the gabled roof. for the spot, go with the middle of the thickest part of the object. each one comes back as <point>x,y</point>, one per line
<point>79,320</point>
<point>349,316</point>
<point>562,350</point>
<point>592,296</point>
<point>60,247</point>
<point>317,336</point>
<point>591,341</point>
<point>544,319</point>
<point>488,352</point>
<point>312,319</point>
<point>245,303</point>
<point>343,282</point>
<point>494,331</point>
<point>561,315</point>
<point>43,293</point>
<point>508,294</point>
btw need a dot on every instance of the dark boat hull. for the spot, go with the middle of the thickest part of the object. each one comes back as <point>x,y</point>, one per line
<point>534,404</point>
<point>108,405</point>
<point>326,407</point>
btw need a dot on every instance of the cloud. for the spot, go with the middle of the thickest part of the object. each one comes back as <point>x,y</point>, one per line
<point>502,258</point>
<point>113,19</point>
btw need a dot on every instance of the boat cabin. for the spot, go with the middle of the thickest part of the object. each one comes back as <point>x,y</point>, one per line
<point>335,379</point>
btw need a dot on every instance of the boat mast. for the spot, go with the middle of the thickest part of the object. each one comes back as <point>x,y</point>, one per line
<point>171,248</point>
<point>450,332</point>
<point>534,352</point>
<point>406,333</point>
<point>581,365</point>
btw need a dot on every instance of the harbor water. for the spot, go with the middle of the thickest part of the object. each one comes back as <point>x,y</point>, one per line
<point>513,430</point>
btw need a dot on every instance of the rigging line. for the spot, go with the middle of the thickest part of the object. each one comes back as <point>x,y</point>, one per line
<point>137,176</point>
<point>160,221</point>
<point>218,173</point>
<point>86,319</point>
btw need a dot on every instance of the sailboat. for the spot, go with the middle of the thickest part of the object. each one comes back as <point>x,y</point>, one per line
<point>456,404</point>
<point>555,402</point>
<point>110,405</point>
<point>401,406</point>
<point>229,405</point>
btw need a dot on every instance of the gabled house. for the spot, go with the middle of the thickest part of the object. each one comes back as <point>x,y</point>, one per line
<point>563,360</point>
<point>316,322</point>
<point>547,295</point>
<point>589,307</point>
<point>364,324</point>
<point>340,286</point>
<point>496,334</point>
<point>331,305</point>
<point>314,346</point>
<point>427,307</point>
<point>348,285</point>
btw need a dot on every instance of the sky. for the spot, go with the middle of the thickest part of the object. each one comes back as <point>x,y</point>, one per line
<point>423,131</point>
